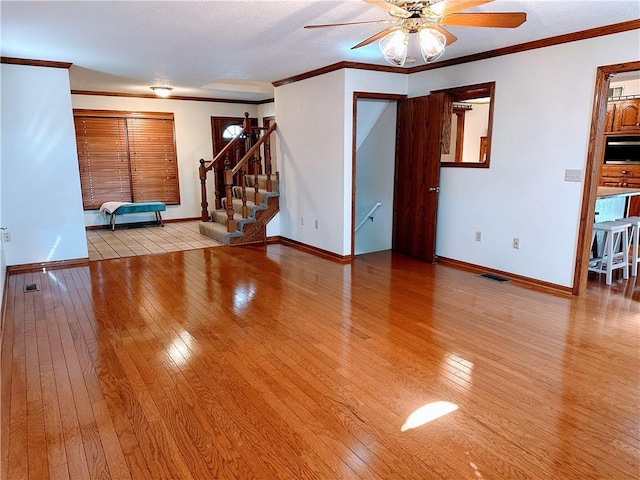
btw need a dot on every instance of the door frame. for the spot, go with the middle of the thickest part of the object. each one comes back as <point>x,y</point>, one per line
<point>592,171</point>
<point>371,96</point>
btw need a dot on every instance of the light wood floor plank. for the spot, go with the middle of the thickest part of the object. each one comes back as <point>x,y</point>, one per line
<point>269,363</point>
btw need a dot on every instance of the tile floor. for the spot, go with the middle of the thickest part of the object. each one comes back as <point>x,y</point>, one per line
<point>127,242</point>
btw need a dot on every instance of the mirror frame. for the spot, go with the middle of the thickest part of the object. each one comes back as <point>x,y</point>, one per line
<point>467,92</point>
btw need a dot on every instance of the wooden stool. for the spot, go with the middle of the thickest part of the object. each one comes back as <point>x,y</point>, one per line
<point>615,249</point>
<point>635,241</point>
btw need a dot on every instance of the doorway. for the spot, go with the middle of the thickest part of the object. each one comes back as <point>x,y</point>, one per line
<point>593,169</point>
<point>373,165</point>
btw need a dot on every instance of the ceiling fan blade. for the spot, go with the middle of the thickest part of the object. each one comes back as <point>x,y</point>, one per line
<point>375,37</point>
<point>350,23</point>
<point>446,7</point>
<point>449,36</point>
<point>497,20</point>
<point>391,8</point>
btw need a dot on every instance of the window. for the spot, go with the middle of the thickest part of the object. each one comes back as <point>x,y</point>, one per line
<point>126,157</point>
<point>231,132</point>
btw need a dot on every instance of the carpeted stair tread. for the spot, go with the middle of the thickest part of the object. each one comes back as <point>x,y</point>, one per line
<point>262,182</point>
<point>218,232</point>
<point>264,194</point>
<point>220,216</point>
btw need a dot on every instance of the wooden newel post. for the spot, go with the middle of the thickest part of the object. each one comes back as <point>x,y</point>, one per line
<point>202,170</point>
<point>228,184</point>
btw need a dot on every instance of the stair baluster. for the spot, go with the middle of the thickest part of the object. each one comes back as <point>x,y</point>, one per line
<point>256,179</point>
<point>267,162</point>
<point>228,182</point>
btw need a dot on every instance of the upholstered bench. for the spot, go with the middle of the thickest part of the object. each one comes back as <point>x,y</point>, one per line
<point>118,208</point>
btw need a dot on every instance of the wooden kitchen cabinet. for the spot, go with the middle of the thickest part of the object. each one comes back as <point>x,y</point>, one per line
<point>620,176</point>
<point>623,117</point>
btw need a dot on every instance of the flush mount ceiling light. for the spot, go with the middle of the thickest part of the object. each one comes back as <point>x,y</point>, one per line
<point>427,18</point>
<point>163,92</point>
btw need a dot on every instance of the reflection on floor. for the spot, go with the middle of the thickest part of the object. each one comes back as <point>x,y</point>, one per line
<point>128,242</point>
<point>627,288</point>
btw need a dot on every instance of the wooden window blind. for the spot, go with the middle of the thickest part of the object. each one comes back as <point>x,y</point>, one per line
<point>126,157</point>
<point>153,160</point>
<point>103,158</point>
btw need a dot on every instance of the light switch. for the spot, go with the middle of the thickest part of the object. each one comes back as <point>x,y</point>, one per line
<point>572,175</point>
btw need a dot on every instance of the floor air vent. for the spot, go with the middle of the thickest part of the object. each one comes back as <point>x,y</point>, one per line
<point>31,287</point>
<point>495,278</point>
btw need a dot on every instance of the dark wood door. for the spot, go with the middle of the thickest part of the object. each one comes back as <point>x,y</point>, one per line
<point>223,129</point>
<point>417,175</point>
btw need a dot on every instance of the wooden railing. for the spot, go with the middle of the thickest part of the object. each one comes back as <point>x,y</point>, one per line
<point>251,163</point>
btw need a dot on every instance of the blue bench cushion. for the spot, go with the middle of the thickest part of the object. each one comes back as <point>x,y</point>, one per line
<point>140,207</point>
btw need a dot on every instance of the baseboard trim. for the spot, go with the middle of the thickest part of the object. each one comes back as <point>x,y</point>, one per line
<point>274,240</point>
<point>4,307</point>
<point>34,267</point>
<point>516,279</point>
<point>319,252</point>
<point>151,223</point>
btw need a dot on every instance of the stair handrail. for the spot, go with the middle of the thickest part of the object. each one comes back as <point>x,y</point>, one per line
<point>252,150</point>
<point>368,216</point>
<point>205,167</point>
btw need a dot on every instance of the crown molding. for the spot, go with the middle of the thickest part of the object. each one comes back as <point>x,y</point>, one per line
<point>172,97</point>
<point>523,47</point>
<point>35,63</point>
<point>338,66</point>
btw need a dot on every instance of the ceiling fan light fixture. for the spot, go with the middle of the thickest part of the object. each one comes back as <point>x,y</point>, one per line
<point>162,92</point>
<point>394,47</point>
<point>432,44</point>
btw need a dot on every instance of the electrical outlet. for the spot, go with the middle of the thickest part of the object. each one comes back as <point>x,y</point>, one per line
<point>6,237</point>
<point>478,236</point>
<point>516,243</point>
<point>316,224</point>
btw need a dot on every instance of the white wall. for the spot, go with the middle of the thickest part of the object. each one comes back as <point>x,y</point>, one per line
<point>542,115</point>
<point>315,124</point>
<point>193,142</point>
<point>310,117</point>
<point>41,198</point>
<point>375,158</point>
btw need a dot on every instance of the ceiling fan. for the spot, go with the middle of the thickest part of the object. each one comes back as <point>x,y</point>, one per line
<point>426,18</point>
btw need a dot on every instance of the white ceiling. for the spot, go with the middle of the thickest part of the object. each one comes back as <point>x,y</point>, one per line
<point>235,48</point>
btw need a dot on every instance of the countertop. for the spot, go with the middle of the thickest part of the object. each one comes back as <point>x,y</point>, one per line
<point>606,192</point>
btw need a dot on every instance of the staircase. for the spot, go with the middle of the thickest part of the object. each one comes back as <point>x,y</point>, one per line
<point>249,198</point>
<point>251,229</point>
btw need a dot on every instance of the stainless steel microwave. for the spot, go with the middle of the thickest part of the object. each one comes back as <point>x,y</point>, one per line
<point>622,150</point>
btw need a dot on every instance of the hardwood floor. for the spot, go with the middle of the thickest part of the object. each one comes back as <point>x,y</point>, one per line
<point>182,366</point>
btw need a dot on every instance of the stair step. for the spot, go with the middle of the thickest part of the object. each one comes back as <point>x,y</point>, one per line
<point>218,232</point>
<point>237,193</point>
<point>237,206</point>
<point>262,182</point>
<point>220,216</point>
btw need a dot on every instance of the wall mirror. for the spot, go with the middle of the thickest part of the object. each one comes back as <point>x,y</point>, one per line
<point>466,129</point>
